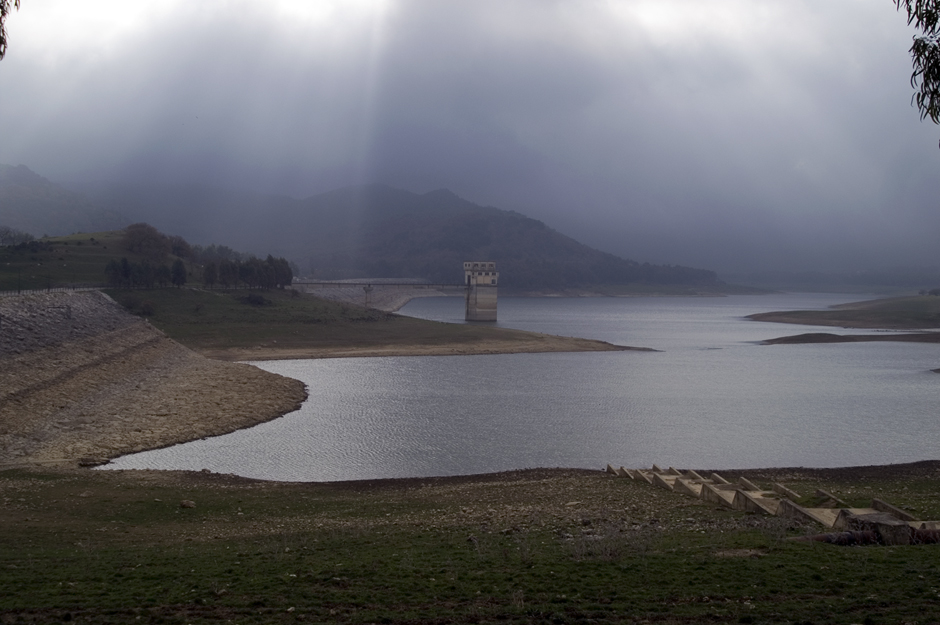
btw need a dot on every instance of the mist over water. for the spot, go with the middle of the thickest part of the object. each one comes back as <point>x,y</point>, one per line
<point>713,398</point>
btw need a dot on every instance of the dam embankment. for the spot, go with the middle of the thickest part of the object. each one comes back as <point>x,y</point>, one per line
<point>82,379</point>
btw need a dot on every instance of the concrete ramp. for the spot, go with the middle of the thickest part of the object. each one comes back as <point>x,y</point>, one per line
<point>824,516</point>
<point>715,494</point>
<point>664,480</point>
<point>892,525</point>
<point>688,487</point>
<point>845,519</point>
<point>761,502</point>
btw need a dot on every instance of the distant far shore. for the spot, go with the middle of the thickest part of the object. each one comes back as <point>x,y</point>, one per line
<point>915,313</point>
<point>825,337</point>
<point>896,313</point>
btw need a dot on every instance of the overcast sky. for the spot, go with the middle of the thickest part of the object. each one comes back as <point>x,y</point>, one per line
<point>727,134</point>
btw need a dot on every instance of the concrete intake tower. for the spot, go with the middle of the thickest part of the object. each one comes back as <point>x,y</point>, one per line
<point>480,279</point>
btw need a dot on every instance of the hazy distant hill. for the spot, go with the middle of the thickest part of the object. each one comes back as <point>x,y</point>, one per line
<point>378,231</point>
<point>30,203</point>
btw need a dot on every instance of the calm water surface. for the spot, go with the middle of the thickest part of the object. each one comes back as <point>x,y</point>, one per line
<point>712,398</point>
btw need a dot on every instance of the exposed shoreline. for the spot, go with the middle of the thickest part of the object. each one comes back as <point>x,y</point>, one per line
<point>82,381</point>
<point>836,318</point>
<point>539,343</point>
<point>901,319</point>
<point>825,337</point>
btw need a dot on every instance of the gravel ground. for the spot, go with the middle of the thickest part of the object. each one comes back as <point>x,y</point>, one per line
<point>82,380</point>
<point>32,322</point>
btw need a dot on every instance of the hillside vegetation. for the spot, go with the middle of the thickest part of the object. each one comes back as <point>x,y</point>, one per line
<point>83,259</point>
<point>73,260</point>
<point>261,325</point>
<point>244,323</point>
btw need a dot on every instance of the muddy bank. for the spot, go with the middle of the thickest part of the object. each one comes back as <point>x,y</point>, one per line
<point>82,379</point>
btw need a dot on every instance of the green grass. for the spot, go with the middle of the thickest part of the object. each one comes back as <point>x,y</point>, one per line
<point>74,260</point>
<point>210,320</point>
<point>107,548</point>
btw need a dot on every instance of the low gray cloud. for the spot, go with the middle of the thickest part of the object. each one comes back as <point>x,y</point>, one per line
<point>725,134</point>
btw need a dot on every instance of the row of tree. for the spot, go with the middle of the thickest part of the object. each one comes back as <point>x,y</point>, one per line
<point>203,255</point>
<point>144,275</point>
<point>222,265</point>
<point>254,273</point>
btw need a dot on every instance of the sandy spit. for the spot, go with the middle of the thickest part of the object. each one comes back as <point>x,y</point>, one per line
<point>539,344</point>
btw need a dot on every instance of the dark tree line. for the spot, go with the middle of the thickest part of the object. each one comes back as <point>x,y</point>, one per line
<point>221,265</point>
<point>147,241</point>
<point>144,275</point>
<point>204,255</point>
<point>12,236</point>
<point>253,273</point>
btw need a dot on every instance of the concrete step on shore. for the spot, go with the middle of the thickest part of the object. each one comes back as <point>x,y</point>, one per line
<point>891,524</point>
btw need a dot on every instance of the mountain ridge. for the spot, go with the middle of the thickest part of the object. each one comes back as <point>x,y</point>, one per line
<point>377,230</point>
<point>34,204</point>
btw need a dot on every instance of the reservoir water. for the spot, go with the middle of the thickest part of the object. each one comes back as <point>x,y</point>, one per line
<point>711,398</point>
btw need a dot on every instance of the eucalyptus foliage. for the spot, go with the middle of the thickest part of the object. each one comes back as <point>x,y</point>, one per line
<point>925,53</point>
<point>5,7</point>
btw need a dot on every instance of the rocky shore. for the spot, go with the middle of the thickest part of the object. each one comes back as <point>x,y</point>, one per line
<point>82,381</point>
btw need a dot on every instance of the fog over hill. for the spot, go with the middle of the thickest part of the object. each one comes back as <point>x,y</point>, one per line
<point>772,137</point>
<point>379,231</point>
<point>371,230</point>
<point>30,203</point>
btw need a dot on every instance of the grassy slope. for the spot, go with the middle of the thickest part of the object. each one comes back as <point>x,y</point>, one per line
<point>73,260</point>
<point>215,320</point>
<point>900,313</point>
<point>102,547</point>
<point>219,320</point>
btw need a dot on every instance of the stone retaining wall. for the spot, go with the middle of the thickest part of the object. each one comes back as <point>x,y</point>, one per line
<point>81,378</point>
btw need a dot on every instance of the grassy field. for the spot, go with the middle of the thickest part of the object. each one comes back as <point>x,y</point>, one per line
<point>539,546</point>
<point>281,319</point>
<point>220,322</point>
<point>73,260</point>
<point>898,313</point>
